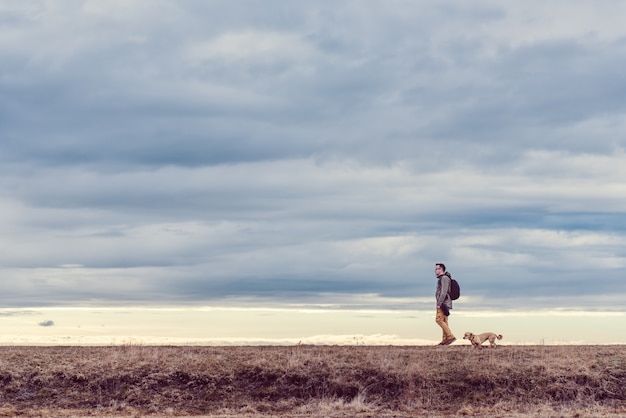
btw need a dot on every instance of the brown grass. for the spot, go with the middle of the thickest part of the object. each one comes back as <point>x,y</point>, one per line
<point>543,381</point>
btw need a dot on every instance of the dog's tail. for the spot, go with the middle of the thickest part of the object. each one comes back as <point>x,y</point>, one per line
<point>499,336</point>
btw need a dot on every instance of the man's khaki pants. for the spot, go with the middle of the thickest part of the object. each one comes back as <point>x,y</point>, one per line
<point>442,321</point>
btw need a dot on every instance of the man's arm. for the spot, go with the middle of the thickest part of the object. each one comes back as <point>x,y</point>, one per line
<point>445,287</point>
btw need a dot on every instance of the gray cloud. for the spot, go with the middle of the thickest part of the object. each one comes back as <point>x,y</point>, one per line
<point>168,152</point>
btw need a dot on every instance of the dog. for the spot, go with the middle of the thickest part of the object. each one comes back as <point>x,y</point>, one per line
<point>478,340</point>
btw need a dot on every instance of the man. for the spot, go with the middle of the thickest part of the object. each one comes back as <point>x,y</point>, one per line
<point>444,303</point>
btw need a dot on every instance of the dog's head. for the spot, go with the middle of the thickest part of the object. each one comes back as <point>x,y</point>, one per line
<point>468,336</point>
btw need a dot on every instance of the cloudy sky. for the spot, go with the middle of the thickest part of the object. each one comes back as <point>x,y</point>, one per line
<point>278,152</point>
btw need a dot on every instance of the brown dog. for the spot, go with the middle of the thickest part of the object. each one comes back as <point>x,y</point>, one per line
<point>478,340</point>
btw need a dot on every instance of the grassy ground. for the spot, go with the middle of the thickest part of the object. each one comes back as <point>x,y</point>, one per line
<point>313,381</point>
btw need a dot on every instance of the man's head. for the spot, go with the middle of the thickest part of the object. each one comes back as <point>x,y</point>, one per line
<point>440,268</point>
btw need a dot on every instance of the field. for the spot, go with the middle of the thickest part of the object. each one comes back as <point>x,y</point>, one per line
<point>313,381</point>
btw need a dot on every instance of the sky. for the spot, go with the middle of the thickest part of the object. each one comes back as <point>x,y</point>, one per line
<point>313,154</point>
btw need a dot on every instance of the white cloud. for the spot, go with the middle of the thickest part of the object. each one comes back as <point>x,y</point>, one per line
<point>250,45</point>
<point>190,150</point>
<point>533,22</point>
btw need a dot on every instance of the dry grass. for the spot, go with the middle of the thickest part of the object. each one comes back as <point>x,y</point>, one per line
<point>542,381</point>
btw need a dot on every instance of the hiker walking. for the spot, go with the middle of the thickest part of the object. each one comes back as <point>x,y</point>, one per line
<point>444,303</point>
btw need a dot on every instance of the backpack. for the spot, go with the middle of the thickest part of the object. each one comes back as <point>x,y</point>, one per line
<point>455,290</point>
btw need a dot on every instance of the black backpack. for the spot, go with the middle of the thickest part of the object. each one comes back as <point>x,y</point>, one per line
<point>455,290</point>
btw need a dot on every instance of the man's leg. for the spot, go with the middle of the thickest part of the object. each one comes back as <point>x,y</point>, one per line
<point>442,321</point>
